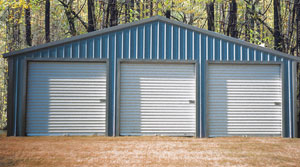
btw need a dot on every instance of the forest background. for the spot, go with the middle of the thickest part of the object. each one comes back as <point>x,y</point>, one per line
<point>273,24</point>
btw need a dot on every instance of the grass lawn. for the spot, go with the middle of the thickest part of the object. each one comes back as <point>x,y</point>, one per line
<point>148,151</point>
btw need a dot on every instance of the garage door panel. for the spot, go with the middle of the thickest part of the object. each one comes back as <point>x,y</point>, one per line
<point>157,99</point>
<point>66,98</point>
<point>244,100</point>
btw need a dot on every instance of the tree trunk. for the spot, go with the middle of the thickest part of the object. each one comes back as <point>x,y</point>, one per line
<point>91,16</point>
<point>210,16</point>
<point>252,23</point>
<point>278,39</point>
<point>168,14</point>
<point>232,23</point>
<point>71,19</point>
<point>289,25</point>
<point>297,3</point>
<point>127,11</point>
<point>113,13</point>
<point>8,30</point>
<point>68,4</point>
<point>103,15</point>
<point>222,25</point>
<point>47,20</point>
<point>258,36</point>
<point>28,25</point>
<point>107,13</point>
<point>247,32</point>
<point>138,10</point>
<point>143,9</point>
<point>14,30</point>
<point>192,15</point>
<point>157,7</point>
<point>151,8</point>
<point>132,9</point>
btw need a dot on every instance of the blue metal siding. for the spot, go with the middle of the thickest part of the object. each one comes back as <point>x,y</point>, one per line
<point>16,94</point>
<point>182,44</point>
<point>237,52</point>
<point>285,99</point>
<point>217,49</point>
<point>104,47</point>
<point>126,44</point>
<point>203,83</point>
<point>97,48</point>
<point>189,45</point>
<point>168,42</point>
<point>161,41</point>
<point>156,41</point>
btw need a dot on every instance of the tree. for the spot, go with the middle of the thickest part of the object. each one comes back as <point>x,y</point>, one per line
<point>47,20</point>
<point>168,14</point>
<point>132,8</point>
<point>249,20</point>
<point>28,24</point>
<point>127,11</point>
<point>138,9</point>
<point>252,21</point>
<point>91,16</point>
<point>210,16</point>
<point>13,27</point>
<point>223,20</point>
<point>103,23</point>
<point>278,39</point>
<point>151,7</point>
<point>247,25</point>
<point>70,17</point>
<point>232,23</point>
<point>113,13</point>
<point>297,8</point>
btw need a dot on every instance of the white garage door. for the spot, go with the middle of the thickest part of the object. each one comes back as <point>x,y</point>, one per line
<point>158,99</point>
<point>66,98</point>
<point>244,100</point>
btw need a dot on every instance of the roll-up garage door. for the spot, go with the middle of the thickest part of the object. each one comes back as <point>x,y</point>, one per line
<point>244,100</point>
<point>66,98</point>
<point>157,99</point>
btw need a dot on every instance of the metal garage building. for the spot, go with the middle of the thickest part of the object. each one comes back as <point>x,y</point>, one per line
<point>151,77</point>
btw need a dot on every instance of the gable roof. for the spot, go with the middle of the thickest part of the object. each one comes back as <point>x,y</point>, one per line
<point>144,21</point>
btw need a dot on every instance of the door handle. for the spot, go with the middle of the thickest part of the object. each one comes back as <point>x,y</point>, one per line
<point>102,100</point>
<point>277,103</point>
<point>192,101</point>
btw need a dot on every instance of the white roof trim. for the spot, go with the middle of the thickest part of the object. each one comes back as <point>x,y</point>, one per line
<point>144,21</point>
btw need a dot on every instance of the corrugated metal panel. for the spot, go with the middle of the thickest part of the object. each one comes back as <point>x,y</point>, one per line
<point>244,100</point>
<point>66,99</point>
<point>158,99</point>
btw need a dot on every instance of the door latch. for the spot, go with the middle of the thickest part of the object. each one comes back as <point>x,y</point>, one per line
<point>277,103</point>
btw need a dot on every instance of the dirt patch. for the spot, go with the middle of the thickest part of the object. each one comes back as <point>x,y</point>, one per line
<point>148,151</point>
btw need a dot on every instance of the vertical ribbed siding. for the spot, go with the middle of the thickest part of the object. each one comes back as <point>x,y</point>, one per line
<point>66,99</point>
<point>176,43</point>
<point>16,95</point>
<point>244,100</point>
<point>158,99</point>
